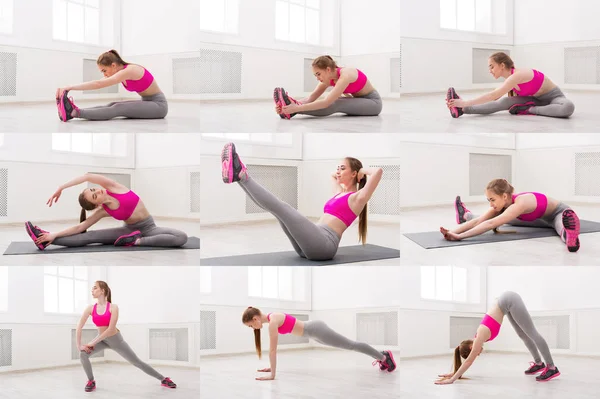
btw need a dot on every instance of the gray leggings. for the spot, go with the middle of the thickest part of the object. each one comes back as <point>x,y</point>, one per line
<point>149,107</point>
<point>320,332</point>
<point>513,307</point>
<point>554,103</point>
<point>368,105</point>
<point>119,345</point>
<point>152,236</point>
<point>311,241</point>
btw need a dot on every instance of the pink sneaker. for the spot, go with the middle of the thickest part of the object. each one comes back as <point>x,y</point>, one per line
<point>451,95</point>
<point>128,240</point>
<point>522,109</point>
<point>460,210</point>
<point>168,383</point>
<point>231,165</point>
<point>285,99</point>
<point>35,232</point>
<point>571,224</point>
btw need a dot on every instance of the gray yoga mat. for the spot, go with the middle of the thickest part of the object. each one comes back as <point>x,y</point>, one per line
<point>434,239</point>
<point>351,254</point>
<point>29,248</point>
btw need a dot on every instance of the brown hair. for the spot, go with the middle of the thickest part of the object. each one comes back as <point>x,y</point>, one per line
<point>107,58</point>
<point>501,57</point>
<point>324,62</point>
<point>500,187</point>
<point>248,315</point>
<point>85,206</point>
<point>356,166</point>
<point>104,287</point>
<point>462,351</point>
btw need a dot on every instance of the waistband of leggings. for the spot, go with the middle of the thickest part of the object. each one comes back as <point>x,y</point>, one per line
<point>143,222</point>
<point>556,92</point>
<point>158,97</point>
<point>374,95</point>
<point>330,232</point>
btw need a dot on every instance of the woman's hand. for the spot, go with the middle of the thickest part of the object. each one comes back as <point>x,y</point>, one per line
<point>60,91</point>
<point>444,381</point>
<point>86,348</point>
<point>46,237</point>
<point>290,109</point>
<point>269,378</point>
<point>278,109</point>
<point>448,235</point>
<point>445,375</point>
<point>456,102</point>
<point>265,370</point>
<point>54,197</point>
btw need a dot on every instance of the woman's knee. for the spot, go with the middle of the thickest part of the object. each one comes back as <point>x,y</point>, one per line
<point>180,238</point>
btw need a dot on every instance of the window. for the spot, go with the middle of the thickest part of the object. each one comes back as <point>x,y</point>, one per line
<point>205,280</point>
<point>298,21</point>
<point>450,283</point>
<point>281,282</point>
<point>6,16</point>
<point>77,21</point>
<point>114,144</point>
<point>487,16</point>
<point>3,288</point>
<point>66,289</point>
<point>220,15</point>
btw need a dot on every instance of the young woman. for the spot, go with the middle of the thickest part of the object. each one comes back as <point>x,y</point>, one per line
<point>529,209</point>
<point>135,78</point>
<point>283,323</point>
<point>313,241</point>
<point>360,97</point>
<point>510,305</point>
<point>529,93</point>
<point>105,316</point>
<point>116,200</point>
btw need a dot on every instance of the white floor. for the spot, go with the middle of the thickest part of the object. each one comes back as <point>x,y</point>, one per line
<point>347,375</point>
<point>263,237</point>
<point>499,375</point>
<point>112,381</point>
<point>408,114</point>
<point>43,118</point>
<point>549,251</point>
<point>171,257</point>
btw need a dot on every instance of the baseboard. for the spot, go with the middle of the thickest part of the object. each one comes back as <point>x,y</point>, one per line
<point>75,222</point>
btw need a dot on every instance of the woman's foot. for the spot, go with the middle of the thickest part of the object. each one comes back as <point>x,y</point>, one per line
<point>522,109</point>
<point>571,232</point>
<point>90,386</point>
<point>462,213</point>
<point>389,361</point>
<point>451,95</point>
<point>284,100</point>
<point>129,240</point>
<point>278,102</point>
<point>232,169</point>
<point>168,383</point>
<point>35,233</point>
<point>66,108</point>
<point>535,368</point>
<point>547,374</point>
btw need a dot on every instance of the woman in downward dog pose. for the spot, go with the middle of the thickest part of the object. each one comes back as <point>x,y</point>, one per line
<point>528,209</point>
<point>135,78</point>
<point>313,241</point>
<point>530,92</point>
<point>283,323</point>
<point>360,97</point>
<point>113,199</point>
<point>105,316</point>
<point>510,305</point>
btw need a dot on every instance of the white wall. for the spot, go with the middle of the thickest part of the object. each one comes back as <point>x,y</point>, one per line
<point>278,149</point>
<point>433,58</point>
<point>43,64</point>
<point>167,150</point>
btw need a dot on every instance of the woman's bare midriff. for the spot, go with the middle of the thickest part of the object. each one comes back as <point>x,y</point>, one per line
<point>334,223</point>
<point>152,90</point>
<point>140,213</point>
<point>496,313</point>
<point>546,87</point>
<point>298,328</point>
<point>552,204</point>
<point>368,89</point>
<point>102,329</point>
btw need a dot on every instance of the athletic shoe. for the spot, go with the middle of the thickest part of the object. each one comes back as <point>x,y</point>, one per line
<point>285,99</point>
<point>128,240</point>
<point>168,383</point>
<point>90,386</point>
<point>451,95</point>
<point>571,231</point>
<point>548,374</point>
<point>231,166</point>
<point>535,368</point>
<point>521,109</point>
<point>382,364</point>
<point>276,98</point>
<point>389,361</point>
<point>461,210</point>
<point>66,107</point>
<point>35,232</point>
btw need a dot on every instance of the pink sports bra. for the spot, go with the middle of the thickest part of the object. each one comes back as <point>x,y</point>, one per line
<point>127,204</point>
<point>141,84</point>
<point>101,320</point>
<point>492,324</point>
<point>531,87</point>
<point>339,207</point>
<point>288,324</point>
<point>355,86</point>
<point>540,209</point>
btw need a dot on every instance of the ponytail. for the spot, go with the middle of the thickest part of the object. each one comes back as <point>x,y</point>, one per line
<point>457,359</point>
<point>82,218</point>
<point>362,218</point>
<point>257,343</point>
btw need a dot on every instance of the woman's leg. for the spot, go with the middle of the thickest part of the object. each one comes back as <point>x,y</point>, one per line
<point>100,236</point>
<point>353,106</point>
<point>513,307</point>
<point>118,344</point>
<point>85,359</point>
<point>567,225</point>
<point>560,107</point>
<point>138,109</point>
<point>163,237</point>
<point>502,104</point>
